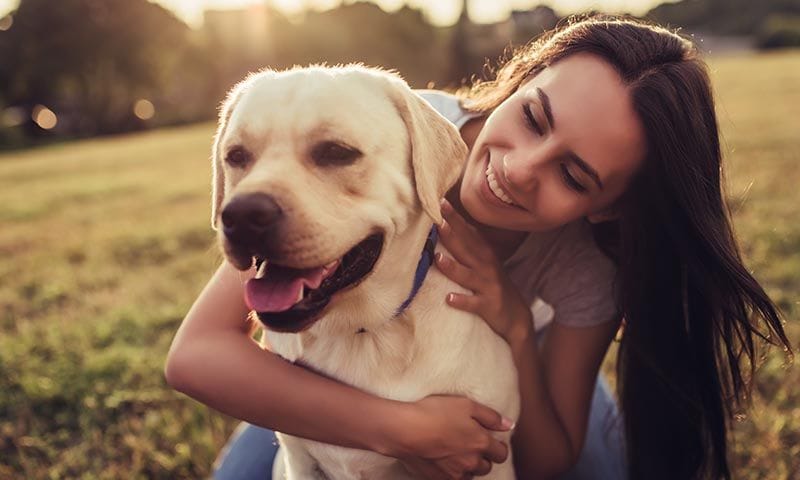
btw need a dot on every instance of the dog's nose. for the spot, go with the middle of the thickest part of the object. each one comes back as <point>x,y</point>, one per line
<point>247,218</point>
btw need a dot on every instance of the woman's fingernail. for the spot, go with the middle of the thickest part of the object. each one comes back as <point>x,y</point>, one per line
<point>445,205</point>
<point>439,257</point>
<point>507,424</point>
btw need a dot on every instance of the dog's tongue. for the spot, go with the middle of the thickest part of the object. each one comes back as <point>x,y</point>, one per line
<point>281,287</point>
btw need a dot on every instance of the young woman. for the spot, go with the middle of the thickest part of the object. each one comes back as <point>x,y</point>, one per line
<point>594,184</point>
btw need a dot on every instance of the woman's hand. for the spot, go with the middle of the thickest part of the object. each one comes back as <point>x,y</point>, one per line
<point>448,437</point>
<point>476,268</point>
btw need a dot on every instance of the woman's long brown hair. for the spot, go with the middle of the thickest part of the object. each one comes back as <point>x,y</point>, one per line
<point>692,311</point>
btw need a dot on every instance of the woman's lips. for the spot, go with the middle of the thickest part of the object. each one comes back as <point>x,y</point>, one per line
<point>495,187</point>
<point>486,190</point>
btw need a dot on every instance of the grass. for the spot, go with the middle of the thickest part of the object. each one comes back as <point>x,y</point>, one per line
<point>760,132</point>
<point>107,242</point>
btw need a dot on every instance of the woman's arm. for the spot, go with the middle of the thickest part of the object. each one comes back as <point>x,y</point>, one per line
<point>556,383</point>
<point>214,360</point>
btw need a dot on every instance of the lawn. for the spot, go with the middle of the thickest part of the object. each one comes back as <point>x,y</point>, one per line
<point>105,243</point>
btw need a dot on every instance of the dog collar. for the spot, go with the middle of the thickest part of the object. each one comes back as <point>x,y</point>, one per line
<point>425,262</point>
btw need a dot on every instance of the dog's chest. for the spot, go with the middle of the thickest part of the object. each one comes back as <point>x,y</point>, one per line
<point>434,352</point>
<point>382,362</point>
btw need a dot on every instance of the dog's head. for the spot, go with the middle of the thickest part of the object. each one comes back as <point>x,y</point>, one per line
<point>316,170</point>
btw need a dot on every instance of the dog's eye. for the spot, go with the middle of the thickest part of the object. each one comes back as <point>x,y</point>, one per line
<point>237,157</point>
<point>332,153</point>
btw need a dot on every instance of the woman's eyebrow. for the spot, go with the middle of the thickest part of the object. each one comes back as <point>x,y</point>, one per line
<point>586,168</point>
<point>581,163</point>
<point>548,111</point>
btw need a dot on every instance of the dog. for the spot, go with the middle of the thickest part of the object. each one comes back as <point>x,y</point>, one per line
<point>329,179</point>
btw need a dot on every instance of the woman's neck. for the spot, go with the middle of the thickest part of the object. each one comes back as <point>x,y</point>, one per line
<point>503,242</point>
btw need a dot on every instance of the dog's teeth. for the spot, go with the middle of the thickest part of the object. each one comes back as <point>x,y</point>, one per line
<point>327,268</point>
<point>300,293</point>
<point>262,269</point>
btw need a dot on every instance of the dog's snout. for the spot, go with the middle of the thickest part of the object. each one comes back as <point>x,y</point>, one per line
<point>248,217</point>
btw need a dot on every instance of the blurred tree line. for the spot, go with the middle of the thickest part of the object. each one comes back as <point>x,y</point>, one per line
<point>80,68</point>
<point>89,61</point>
<point>773,23</point>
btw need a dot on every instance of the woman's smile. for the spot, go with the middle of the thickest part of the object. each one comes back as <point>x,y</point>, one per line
<point>493,190</point>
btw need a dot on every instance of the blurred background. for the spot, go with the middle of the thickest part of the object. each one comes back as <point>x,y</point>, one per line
<point>107,114</point>
<point>80,68</point>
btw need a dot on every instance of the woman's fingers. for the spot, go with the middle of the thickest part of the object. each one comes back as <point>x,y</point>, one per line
<point>483,468</point>
<point>461,238</point>
<point>456,243</point>
<point>490,419</point>
<point>497,451</point>
<point>457,272</point>
<point>423,469</point>
<point>466,302</point>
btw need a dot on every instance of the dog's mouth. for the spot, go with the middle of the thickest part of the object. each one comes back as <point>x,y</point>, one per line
<point>288,299</point>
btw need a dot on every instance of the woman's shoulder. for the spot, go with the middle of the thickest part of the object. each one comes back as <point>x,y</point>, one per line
<point>571,274</point>
<point>567,247</point>
<point>575,246</point>
<point>448,105</point>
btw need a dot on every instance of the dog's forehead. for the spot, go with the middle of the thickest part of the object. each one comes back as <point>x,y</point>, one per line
<point>306,100</point>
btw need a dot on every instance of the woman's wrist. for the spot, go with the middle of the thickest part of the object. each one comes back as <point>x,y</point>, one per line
<point>391,424</point>
<point>521,329</point>
<point>520,334</point>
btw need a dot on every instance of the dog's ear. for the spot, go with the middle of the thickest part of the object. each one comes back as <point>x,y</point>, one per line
<point>437,151</point>
<point>218,156</point>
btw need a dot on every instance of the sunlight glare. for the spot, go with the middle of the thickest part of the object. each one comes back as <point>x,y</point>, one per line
<point>289,6</point>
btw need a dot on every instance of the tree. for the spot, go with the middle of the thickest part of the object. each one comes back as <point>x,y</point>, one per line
<point>89,60</point>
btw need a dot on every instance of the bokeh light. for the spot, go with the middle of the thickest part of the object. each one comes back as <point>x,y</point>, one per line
<point>44,117</point>
<point>12,117</point>
<point>144,109</point>
<point>6,22</point>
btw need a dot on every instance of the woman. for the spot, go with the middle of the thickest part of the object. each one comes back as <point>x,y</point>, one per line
<point>594,161</point>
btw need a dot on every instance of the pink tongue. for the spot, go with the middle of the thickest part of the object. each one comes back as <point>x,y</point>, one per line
<point>280,288</point>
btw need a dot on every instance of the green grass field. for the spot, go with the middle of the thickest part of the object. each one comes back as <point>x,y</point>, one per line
<point>105,243</point>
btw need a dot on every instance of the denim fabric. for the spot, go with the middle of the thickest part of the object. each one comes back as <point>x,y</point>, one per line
<point>251,450</point>
<point>603,454</point>
<point>248,455</point>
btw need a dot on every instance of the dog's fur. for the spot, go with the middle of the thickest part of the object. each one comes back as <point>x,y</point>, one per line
<point>411,155</point>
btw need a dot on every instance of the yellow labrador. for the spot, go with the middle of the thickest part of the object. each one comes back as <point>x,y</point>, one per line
<point>330,180</point>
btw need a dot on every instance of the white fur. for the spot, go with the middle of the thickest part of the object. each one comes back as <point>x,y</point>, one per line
<point>411,155</point>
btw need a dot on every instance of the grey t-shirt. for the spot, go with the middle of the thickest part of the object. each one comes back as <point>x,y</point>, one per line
<point>561,273</point>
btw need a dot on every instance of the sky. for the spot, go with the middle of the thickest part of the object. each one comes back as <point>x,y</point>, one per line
<point>439,12</point>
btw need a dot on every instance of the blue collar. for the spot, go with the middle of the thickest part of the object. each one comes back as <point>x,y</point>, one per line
<point>425,262</point>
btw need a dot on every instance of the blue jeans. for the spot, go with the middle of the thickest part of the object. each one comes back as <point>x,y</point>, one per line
<point>251,450</point>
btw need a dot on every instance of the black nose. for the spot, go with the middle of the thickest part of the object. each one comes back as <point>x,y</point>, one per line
<point>248,219</point>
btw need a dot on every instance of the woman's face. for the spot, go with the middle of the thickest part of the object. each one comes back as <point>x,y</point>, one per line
<point>562,147</point>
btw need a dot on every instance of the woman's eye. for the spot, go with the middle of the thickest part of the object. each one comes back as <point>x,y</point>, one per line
<point>531,120</point>
<point>570,181</point>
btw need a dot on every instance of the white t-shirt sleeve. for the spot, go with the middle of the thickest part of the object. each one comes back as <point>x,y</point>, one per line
<point>448,105</point>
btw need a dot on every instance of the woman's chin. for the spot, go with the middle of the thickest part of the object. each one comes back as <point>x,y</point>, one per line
<point>484,214</point>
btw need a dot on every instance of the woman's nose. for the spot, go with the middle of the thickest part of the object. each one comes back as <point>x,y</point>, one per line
<point>521,171</point>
